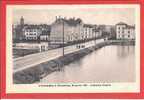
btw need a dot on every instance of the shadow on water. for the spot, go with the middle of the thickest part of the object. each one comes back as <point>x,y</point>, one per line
<point>79,62</point>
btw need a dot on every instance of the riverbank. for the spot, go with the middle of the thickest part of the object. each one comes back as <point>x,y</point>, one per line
<point>35,73</point>
<point>122,42</point>
<point>23,52</point>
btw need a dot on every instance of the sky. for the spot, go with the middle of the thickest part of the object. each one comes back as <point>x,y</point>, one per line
<point>89,15</point>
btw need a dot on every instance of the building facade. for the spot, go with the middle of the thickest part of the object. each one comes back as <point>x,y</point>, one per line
<point>17,30</point>
<point>24,31</point>
<point>124,31</point>
<point>45,36</point>
<point>71,29</point>
<point>91,31</point>
<point>88,31</point>
<point>32,32</point>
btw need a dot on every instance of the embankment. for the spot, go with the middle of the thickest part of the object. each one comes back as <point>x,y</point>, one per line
<point>35,73</point>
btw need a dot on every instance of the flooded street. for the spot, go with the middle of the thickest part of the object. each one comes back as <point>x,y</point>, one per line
<point>113,63</point>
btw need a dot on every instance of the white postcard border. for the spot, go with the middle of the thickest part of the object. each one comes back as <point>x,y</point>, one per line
<point>34,88</point>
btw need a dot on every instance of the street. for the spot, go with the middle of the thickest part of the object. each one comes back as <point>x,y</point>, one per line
<point>37,58</point>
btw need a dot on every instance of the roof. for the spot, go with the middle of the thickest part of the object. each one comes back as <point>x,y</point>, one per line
<point>45,26</point>
<point>88,25</point>
<point>129,27</point>
<point>41,26</point>
<point>45,32</point>
<point>32,27</point>
<point>70,22</point>
<point>121,23</point>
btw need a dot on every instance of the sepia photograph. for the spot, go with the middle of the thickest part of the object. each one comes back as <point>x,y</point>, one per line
<point>67,44</point>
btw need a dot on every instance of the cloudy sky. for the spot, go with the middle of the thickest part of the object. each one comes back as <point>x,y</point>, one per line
<point>89,14</point>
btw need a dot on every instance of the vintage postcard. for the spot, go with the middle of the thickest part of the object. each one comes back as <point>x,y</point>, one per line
<point>73,48</point>
<point>69,50</point>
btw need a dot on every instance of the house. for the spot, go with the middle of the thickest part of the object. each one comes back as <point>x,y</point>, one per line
<point>97,33</point>
<point>88,31</point>
<point>91,31</point>
<point>24,31</point>
<point>69,29</point>
<point>125,31</point>
<point>32,32</point>
<point>45,36</point>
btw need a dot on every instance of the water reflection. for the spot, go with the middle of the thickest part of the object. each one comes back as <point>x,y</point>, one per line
<point>108,64</point>
<point>124,51</point>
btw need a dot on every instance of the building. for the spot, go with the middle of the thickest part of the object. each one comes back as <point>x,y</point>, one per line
<point>37,32</point>
<point>45,36</point>
<point>24,31</point>
<point>113,32</point>
<point>91,31</point>
<point>125,31</point>
<point>88,31</point>
<point>71,28</point>
<point>14,32</point>
<point>97,32</point>
<point>17,30</point>
<point>32,32</point>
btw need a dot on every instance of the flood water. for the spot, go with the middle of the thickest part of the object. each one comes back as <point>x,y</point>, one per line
<point>113,63</point>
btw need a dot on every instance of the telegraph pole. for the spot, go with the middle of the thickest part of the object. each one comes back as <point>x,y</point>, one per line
<point>63,37</point>
<point>95,37</point>
<point>95,30</point>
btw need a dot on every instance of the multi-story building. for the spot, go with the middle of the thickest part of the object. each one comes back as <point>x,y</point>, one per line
<point>91,31</point>
<point>17,30</point>
<point>45,36</point>
<point>97,33</point>
<point>88,31</point>
<point>32,32</point>
<point>37,32</point>
<point>125,31</point>
<point>71,29</point>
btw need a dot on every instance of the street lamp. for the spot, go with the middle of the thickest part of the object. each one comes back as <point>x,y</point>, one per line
<point>63,36</point>
<point>95,37</point>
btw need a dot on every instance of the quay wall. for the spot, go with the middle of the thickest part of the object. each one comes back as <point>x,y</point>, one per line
<point>35,73</point>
